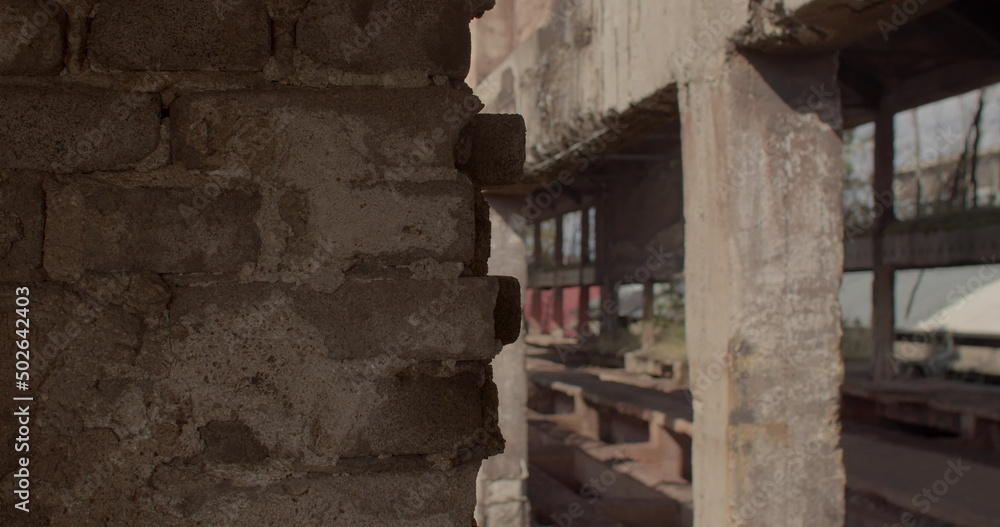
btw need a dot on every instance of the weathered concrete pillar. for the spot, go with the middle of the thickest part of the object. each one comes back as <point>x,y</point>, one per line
<point>503,478</point>
<point>249,262</point>
<point>583,305</point>
<point>883,321</point>
<point>764,243</point>
<point>558,314</point>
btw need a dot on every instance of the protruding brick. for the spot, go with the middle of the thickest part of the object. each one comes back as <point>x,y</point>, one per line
<point>22,220</point>
<point>31,37</point>
<point>167,35</point>
<point>507,314</point>
<point>495,146</point>
<point>76,128</point>
<point>105,228</point>
<point>381,36</point>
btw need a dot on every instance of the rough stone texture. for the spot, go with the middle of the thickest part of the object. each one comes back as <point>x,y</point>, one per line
<point>248,305</point>
<point>101,227</point>
<point>369,173</point>
<point>76,128</point>
<point>211,397</point>
<point>407,319</point>
<point>31,37</point>
<point>496,150</point>
<point>167,35</point>
<point>381,36</point>
<point>363,130</point>
<point>22,206</point>
<point>252,369</point>
<point>761,308</point>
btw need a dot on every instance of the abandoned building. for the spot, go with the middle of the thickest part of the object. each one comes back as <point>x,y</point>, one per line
<point>281,262</point>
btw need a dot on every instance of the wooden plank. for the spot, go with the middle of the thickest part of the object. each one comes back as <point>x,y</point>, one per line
<point>956,246</point>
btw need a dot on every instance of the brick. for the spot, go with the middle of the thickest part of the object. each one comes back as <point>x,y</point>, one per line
<point>367,173</point>
<point>262,354</point>
<point>496,150</point>
<point>189,495</point>
<point>423,320</point>
<point>428,498</point>
<point>76,129</point>
<point>22,220</point>
<point>507,314</point>
<point>354,129</point>
<point>167,35</point>
<point>208,397</point>
<point>381,36</point>
<point>74,340</point>
<point>100,227</point>
<point>392,224</point>
<point>31,37</point>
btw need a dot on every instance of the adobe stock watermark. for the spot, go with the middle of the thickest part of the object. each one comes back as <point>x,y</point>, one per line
<point>744,511</point>
<point>657,258</point>
<point>883,202</point>
<point>901,14</point>
<point>592,490</point>
<point>709,33</point>
<point>32,25</point>
<point>956,297</point>
<point>431,488</point>
<point>223,7</point>
<point>581,159</point>
<point>422,148</point>
<point>103,134</point>
<point>928,496</point>
<point>747,167</point>
<point>378,22</point>
<point>757,324</point>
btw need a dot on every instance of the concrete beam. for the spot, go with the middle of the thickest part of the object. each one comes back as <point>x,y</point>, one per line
<point>594,77</point>
<point>929,243</point>
<point>827,25</point>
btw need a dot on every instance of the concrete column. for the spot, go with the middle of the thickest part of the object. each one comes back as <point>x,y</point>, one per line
<point>883,276</point>
<point>764,256</point>
<point>535,319</point>
<point>536,292</point>
<point>648,297</point>
<point>583,312</point>
<point>609,295</point>
<point>557,290</point>
<point>583,307</point>
<point>502,479</point>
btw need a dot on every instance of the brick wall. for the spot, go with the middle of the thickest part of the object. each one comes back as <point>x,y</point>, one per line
<point>256,253</point>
